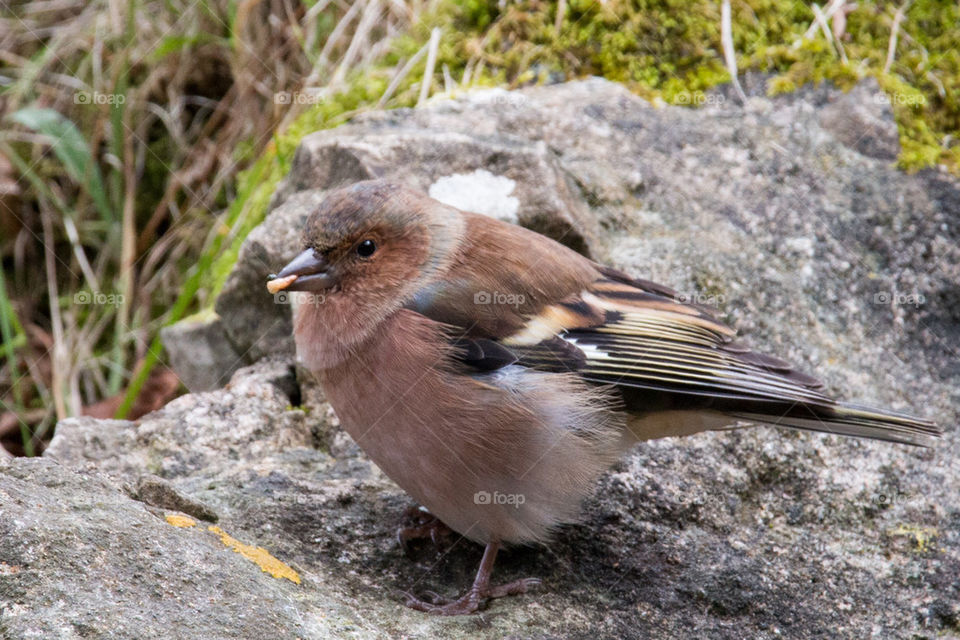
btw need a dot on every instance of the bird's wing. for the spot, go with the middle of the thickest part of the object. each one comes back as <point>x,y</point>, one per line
<point>502,275</point>
<point>664,354</point>
<point>514,296</point>
<point>639,335</point>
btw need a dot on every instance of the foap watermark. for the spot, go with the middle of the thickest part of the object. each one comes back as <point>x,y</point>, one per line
<point>512,499</point>
<point>710,299</point>
<point>299,298</point>
<point>699,98</point>
<point>896,298</point>
<point>509,99</point>
<point>889,498</point>
<point>901,99</point>
<point>496,297</point>
<point>86,97</point>
<point>98,298</point>
<point>316,96</point>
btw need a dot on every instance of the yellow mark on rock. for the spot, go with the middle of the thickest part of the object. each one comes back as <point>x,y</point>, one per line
<point>922,536</point>
<point>180,521</point>
<point>259,555</point>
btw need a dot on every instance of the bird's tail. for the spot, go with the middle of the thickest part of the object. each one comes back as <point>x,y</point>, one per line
<point>854,420</point>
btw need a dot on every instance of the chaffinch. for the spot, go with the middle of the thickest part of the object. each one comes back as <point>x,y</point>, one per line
<point>493,373</point>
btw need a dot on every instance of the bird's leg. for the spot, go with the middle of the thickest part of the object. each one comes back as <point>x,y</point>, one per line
<point>420,524</point>
<point>479,593</point>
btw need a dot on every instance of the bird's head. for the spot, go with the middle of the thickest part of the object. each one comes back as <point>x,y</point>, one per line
<point>374,239</point>
<point>365,251</point>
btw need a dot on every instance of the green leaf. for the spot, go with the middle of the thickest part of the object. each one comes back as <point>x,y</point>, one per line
<point>72,150</point>
<point>10,331</point>
<point>177,43</point>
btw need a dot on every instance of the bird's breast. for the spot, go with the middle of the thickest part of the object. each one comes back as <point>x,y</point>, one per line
<point>502,456</point>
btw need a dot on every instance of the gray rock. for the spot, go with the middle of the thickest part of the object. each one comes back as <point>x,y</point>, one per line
<point>815,247</point>
<point>255,416</point>
<point>159,493</point>
<point>200,353</point>
<point>863,120</point>
<point>425,153</point>
<point>256,323</point>
<point>80,559</point>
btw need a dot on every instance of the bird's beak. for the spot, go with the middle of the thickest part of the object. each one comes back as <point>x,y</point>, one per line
<point>309,271</point>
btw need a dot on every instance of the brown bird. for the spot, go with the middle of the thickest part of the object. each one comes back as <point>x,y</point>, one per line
<point>494,374</point>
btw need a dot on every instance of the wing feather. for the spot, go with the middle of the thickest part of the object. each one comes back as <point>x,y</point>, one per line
<point>651,339</point>
<point>663,354</point>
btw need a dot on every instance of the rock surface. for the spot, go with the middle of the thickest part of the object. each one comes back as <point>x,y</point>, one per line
<point>815,246</point>
<point>200,353</point>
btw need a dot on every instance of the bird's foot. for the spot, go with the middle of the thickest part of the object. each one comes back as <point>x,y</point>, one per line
<point>471,602</point>
<point>420,524</point>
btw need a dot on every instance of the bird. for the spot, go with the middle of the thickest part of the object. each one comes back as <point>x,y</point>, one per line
<point>494,374</point>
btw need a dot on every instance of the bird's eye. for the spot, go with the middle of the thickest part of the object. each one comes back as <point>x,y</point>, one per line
<point>366,248</point>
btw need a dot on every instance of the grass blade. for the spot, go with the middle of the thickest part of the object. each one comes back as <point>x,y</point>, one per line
<point>12,332</point>
<point>72,150</point>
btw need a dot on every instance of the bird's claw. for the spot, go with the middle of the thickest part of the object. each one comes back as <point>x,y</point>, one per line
<point>471,602</point>
<point>515,588</point>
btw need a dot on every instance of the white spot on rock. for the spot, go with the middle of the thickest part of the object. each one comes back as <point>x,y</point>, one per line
<point>801,245</point>
<point>480,192</point>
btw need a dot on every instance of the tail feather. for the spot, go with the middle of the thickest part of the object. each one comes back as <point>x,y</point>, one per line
<point>854,420</point>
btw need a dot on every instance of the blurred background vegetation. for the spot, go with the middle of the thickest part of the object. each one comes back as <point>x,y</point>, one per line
<point>141,140</point>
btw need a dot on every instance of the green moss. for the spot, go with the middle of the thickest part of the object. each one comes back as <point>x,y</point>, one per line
<point>300,407</point>
<point>203,316</point>
<point>671,49</point>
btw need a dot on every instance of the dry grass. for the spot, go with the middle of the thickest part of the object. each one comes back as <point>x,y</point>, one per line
<point>125,125</point>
